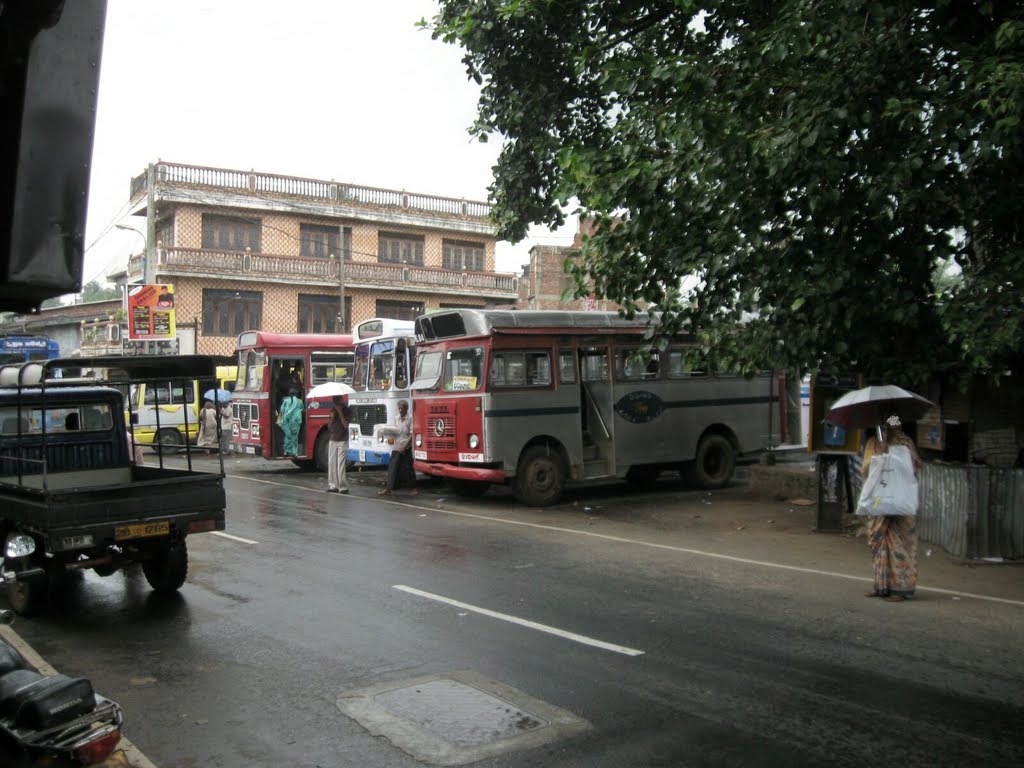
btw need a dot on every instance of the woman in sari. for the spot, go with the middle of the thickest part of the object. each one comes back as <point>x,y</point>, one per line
<point>207,427</point>
<point>289,419</point>
<point>892,538</point>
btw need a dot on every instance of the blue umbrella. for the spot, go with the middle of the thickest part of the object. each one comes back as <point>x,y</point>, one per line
<point>220,396</point>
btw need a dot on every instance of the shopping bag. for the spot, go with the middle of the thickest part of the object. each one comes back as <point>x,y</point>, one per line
<point>891,486</point>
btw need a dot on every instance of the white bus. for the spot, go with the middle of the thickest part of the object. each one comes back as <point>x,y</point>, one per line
<point>384,360</point>
<point>538,399</point>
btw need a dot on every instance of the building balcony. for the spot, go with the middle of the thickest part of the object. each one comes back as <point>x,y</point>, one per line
<point>174,182</point>
<point>305,271</point>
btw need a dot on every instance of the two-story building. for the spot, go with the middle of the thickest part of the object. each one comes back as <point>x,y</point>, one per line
<point>257,250</point>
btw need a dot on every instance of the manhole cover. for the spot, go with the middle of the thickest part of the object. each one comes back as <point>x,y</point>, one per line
<point>457,718</point>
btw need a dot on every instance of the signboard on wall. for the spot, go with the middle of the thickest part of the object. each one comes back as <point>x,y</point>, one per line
<point>151,312</point>
<point>825,437</point>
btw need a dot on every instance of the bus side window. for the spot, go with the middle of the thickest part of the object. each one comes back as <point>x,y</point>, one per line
<point>538,369</point>
<point>683,364</point>
<point>594,365</point>
<point>401,373</point>
<point>566,369</point>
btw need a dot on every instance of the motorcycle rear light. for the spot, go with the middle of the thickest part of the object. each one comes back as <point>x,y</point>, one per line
<point>98,750</point>
<point>201,526</point>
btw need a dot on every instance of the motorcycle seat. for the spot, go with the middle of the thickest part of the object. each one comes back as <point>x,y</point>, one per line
<point>10,659</point>
<point>32,700</point>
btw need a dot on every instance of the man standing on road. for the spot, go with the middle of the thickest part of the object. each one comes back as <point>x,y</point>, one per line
<point>337,448</point>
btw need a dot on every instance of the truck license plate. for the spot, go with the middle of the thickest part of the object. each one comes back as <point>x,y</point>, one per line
<point>141,530</point>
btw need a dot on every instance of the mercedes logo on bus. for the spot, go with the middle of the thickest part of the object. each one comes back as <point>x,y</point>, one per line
<point>439,428</point>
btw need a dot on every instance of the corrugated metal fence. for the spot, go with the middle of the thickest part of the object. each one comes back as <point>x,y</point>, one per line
<point>973,511</point>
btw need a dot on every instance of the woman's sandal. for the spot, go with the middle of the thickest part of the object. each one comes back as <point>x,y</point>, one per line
<point>894,598</point>
<point>872,594</point>
<point>383,492</point>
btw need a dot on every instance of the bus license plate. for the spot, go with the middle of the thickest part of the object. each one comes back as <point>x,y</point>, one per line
<point>362,456</point>
<point>250,449</point>
<point>141,530</point>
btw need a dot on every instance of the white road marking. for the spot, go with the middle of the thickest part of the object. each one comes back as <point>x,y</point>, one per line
<point>233,538</point>
<point>667,547</point>
<point>523,622</point>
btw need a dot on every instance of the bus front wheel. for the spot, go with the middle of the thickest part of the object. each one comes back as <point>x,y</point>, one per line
<point>540,478</point>
<point>714,464</point>
<point>169,440</point>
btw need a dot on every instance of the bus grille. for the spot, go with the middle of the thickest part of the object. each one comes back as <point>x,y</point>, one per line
<point>444,441</point>
<point>245,413</point>
<point>366,416</point>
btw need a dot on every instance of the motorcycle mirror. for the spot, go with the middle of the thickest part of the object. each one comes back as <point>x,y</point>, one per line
<point>19,545</point>
<point>6,616</point>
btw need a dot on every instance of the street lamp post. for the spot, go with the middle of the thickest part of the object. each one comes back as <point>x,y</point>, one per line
<point>341,291</point>
<point>145,247</point>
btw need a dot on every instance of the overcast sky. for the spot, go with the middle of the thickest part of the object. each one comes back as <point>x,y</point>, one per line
<point>349,90</point>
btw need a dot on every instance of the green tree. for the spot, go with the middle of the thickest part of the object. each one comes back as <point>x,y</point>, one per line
<point>804,165</point>
<point>94,291</point>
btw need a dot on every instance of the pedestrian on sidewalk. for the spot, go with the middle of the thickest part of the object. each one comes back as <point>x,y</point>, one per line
<point>400,469</point>
<point>892,538</point>
<point>337,448</point>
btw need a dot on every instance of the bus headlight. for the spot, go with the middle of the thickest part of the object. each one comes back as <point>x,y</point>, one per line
<point>419,439</point>
<point>474,441</point>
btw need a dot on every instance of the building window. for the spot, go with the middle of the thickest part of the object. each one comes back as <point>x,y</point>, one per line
<point>230,233</point>
<point>165,232</point>
<point>319,314</point>
<point>228,313</point>
<point>399,310</point>
<point>318,241</point>
<point>395,248</point>
<point>461,255</point>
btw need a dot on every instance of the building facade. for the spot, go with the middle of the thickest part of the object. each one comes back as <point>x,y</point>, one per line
<point>247,250</point>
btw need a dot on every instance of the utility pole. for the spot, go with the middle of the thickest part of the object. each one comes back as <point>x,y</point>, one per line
<point>341,291</point>
<point>149,263</point>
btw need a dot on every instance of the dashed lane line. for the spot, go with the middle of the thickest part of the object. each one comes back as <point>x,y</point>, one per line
<point>522,622</point>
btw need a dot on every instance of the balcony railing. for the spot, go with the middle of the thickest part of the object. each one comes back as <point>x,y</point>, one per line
<point>264,184</point>
<point>305,270</point>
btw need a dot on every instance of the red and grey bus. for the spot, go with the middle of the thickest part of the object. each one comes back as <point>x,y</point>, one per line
<point>271,364</point>
<point>538,399</point>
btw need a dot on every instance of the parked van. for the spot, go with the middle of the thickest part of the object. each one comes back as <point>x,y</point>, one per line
<point>158,408</point>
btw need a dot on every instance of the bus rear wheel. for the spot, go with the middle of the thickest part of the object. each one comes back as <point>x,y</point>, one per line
<point>321,451</point>
<point>540,478</point>
<point>714,464</point>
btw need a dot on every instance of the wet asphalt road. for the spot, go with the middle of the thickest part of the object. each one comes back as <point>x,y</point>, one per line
<point>740,664</point>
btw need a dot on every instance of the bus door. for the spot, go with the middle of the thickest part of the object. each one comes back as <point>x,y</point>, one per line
<point>286,375</point>
<point>642,419</point>
<point>597,412</point>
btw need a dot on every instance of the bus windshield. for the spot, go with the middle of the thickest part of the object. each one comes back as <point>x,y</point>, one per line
<point>428,370</point>
<point>381,366</point>
<point>463,369</point>
<point>252,364</point>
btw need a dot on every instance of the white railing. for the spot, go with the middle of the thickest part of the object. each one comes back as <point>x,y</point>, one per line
<point>264,184</point>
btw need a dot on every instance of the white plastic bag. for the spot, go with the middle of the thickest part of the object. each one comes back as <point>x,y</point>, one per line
<point>891,486</point>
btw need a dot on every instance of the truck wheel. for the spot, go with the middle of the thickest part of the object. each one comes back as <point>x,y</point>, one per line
<point>167,567</point>
<point>540,477</point>
<point>168,440</point>
<point>714,463</point>
<point>470,489</point>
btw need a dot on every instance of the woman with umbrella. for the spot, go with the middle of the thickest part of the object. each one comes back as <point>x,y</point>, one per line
<point>289,419</point>
<point>892,538</point>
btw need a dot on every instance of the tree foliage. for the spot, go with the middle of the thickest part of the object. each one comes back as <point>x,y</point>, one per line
<point>803,165</point>
<point>94,291</point>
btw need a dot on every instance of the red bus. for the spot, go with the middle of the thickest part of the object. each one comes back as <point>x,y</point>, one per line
<point>537,399</point>
<point>269,364</point>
